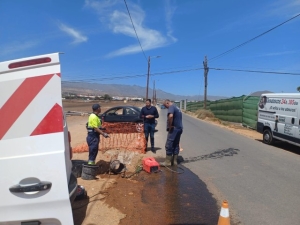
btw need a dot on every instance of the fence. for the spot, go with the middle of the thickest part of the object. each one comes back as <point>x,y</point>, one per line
<point>241,109</point>
<point>250,109</point>
<point>194,106</point>
<point>122,136</point>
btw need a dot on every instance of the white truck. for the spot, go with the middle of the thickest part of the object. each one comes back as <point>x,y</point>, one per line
<point>37,183</point>
<point>279,117</point>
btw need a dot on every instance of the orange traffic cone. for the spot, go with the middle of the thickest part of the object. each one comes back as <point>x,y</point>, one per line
<point>224,214</point>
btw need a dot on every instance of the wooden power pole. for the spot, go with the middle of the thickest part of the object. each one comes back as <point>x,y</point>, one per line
<point>148,75</point>
<point>205,80</point>
<point>153,96</point>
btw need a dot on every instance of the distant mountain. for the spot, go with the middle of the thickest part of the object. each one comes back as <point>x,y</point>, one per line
<point>126,91</point>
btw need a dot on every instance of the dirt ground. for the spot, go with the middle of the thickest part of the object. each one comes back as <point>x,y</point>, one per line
<point>112,199</point>
<point>237,128</point>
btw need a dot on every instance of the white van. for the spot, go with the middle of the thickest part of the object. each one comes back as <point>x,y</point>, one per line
<point>279,117</point>
<point>37,185</point>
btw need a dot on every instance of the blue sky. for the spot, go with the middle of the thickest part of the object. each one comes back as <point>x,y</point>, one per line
<point>98,41</point>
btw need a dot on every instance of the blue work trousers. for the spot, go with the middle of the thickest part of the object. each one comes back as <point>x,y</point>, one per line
<point>172,143</point>
<point>149,128</point>
<point>93,140</point>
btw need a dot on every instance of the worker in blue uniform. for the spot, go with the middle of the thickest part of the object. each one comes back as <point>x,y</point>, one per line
<point>93,136</point>
<point>174,129</point>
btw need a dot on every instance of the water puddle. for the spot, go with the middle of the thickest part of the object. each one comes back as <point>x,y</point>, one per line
<point>177,198</point>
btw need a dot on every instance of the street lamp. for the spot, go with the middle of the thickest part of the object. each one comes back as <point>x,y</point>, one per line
<point>148,75</point>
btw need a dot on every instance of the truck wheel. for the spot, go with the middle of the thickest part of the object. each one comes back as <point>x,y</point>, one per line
<point>267,137</point>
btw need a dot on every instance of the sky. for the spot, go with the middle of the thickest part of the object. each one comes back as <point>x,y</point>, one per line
<point>100,44</point>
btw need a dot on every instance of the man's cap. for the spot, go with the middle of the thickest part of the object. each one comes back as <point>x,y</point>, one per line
<point>96,106</point>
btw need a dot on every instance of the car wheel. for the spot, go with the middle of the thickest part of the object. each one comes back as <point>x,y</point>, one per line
<point>267,137</point>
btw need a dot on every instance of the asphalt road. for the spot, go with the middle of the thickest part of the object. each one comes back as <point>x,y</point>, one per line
<point>260,182</point>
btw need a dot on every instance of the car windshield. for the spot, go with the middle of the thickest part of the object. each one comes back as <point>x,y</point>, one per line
<point>137,109</point>
<point>131,111</point>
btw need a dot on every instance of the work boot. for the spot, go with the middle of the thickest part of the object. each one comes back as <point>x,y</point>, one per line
<point>175,160</point>
<point>152,142</point>
<point>153,150</point>
<point>168,161</point>
<point>146,144</point>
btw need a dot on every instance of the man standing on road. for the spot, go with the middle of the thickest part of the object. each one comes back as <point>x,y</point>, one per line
<point>93,136</point>
<point>174,128</point>
<point>149,114</point>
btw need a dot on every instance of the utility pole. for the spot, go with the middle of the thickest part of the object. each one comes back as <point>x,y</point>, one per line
<point>148,75</point>
<point>205,80</point>
<point>153,96</point>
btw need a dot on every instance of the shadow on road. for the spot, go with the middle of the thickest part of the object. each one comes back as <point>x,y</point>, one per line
<point>285,146</point>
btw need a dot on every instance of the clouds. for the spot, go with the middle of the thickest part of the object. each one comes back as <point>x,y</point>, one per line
<point>17,46</point>
<point>28,43</point>
<point>113,14</point>
<point>285,8</point>
<point>170,10</point>
<point>76,35</point>
<point>278,53</point>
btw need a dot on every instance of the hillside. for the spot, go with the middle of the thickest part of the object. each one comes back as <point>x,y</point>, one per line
<point>126,90</point>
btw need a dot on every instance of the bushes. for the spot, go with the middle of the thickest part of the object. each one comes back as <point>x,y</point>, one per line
<point>202,114</point>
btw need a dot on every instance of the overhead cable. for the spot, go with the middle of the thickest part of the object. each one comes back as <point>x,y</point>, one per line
<point>180,71</point>
<point>257,71</point>
<point>135,30</point>
<point>252,39</point>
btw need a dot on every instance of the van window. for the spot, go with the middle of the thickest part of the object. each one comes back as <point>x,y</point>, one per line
<point>293,120</point>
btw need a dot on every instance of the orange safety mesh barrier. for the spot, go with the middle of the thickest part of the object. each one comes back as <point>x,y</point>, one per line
<point>122,136</point>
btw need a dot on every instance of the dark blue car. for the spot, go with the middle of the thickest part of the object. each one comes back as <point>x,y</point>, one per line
<point>122,114</point>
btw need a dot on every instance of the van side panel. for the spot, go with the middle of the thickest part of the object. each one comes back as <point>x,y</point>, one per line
<point>33,144</point>
<point>280,113</point>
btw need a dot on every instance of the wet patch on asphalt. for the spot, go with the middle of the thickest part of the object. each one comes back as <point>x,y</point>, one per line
<point>215,155</point>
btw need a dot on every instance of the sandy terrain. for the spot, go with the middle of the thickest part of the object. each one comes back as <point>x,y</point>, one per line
<point>98,208</point>
<point>237,128</point>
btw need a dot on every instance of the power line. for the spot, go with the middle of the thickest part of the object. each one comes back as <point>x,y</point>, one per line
<point>69,75</point>
<point>135,30</point>
<point>252,39</point>
<point>257,71</point>
<point>116,75</point>
<point>133,76</point>
<point>180,71</point>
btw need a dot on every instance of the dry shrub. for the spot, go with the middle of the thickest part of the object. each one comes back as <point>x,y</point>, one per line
<point>203,113</point>
<point>225,123</point>
<point>216,120</point>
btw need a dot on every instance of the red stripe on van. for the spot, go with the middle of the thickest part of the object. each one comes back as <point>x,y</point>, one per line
<point>19,101</point>
<point>52,122</point>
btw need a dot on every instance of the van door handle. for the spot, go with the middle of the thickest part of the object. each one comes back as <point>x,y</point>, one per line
<point>41,186</point>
